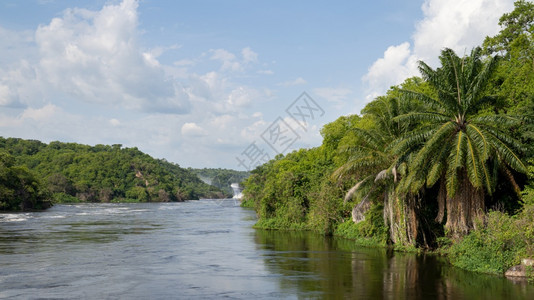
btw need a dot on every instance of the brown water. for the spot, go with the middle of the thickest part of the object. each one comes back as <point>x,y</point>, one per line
<point>208,250</point>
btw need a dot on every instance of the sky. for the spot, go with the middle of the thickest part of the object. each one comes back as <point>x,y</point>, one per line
<point>211,83</point>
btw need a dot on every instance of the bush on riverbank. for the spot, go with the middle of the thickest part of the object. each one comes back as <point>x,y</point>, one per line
<point>497,245</point>
<point>370,232</point>
<point>500,241</point>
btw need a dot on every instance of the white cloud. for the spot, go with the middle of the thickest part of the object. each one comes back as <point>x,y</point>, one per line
<point>44,113</point>
<point>114,122</point>
<point>297,81</point>
<point>94,56</point>
<point>456,24</point>
<point>192,130</point>
<point>249,55</point>
<point>242,96</point>
<point>266,72</point>
<point>230,62</point>
<point>397,64</point>
<point>5,97</point>
<point>473,21</point>
<point>47,123</point>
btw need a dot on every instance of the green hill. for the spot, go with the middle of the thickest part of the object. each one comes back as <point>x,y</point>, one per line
<point>79,173</point>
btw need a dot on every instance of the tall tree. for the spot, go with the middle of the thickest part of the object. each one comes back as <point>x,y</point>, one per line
<point>518,27</point>
<point>514,81</point>
<point>377,169</point>
<point>456,146</point>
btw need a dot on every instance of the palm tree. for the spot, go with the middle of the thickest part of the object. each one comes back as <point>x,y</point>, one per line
<point>457,145</point>
<point>377,169</point>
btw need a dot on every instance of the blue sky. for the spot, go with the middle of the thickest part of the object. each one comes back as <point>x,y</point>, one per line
<point>199,82</point>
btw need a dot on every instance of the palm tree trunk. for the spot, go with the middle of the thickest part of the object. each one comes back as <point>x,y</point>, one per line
<point>442,198</point>
<point>400,217</point>
<point>464,209</point>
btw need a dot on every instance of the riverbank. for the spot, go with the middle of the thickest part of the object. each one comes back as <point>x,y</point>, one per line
<point>499,243</point>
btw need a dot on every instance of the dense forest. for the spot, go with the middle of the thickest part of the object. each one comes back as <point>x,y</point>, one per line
<point>32,173</point>
<point>443,161</point>
<point>221,178</point>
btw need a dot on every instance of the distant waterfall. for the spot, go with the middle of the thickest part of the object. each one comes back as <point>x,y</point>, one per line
<point>237,191</point>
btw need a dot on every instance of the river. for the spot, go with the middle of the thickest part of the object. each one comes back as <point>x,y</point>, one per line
<point>208,250</point>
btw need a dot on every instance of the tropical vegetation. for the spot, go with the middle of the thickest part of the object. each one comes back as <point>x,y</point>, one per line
<point>442,161</point>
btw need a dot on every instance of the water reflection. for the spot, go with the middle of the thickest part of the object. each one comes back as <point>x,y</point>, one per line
<point>336,269</point>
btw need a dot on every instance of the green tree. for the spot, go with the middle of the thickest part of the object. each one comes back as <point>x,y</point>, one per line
<point>456,146</point>
<point>514,83</point>
<point>518,26</point>
<point>378,169</point>
<point>20,189</point>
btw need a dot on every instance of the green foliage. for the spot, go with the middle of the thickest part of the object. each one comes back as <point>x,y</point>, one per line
<point>457,140</point>
<point>496,246</point>
<point>514,81</point>
<point>80,173</point>
<point>61,197</point>
<point>370,232</point>
<point>20,189</point>
<point>528,192</point>
<point>516,24</point>
<point>327,209</point>
<point>295,191</point>
<point>459,144</point>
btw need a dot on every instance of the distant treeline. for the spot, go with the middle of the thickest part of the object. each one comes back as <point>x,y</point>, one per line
<point>32,173</point>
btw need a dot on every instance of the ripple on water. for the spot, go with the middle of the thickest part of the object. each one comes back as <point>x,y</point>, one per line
<point>14,217</point>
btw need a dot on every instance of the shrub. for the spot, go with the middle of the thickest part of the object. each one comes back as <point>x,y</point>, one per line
<point>497,245</point>
<point>370,232</point>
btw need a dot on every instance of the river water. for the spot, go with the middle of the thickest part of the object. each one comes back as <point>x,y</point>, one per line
<point>208,250</point>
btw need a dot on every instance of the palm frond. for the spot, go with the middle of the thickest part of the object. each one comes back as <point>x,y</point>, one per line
<point>451,181</point>
<point>498,120</point>
<point>406,95</point>
<point>481,80</point>
<point>411,141</point>
<point>456,158</point>
<point>474,165</point>
<point>437,166</point>
<point>479,138</point>
<point>353,190</point>
<point>382,175</point>
<point>372,140</point>
<point>435,142</point>
<point>422,117</point>
<point>454,77</point>
<point>507,155</point>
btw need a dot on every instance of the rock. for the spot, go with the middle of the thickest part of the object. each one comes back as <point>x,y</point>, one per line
<point>516,271</point>
<point>528,262</point>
